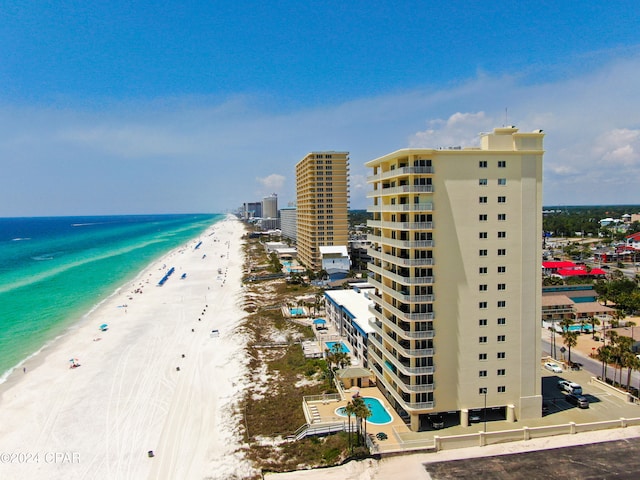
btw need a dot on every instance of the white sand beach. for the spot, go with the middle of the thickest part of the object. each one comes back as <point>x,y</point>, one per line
<point>156,380</point>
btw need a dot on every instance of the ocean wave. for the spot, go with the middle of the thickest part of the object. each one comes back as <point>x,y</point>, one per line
<point>20,239</point>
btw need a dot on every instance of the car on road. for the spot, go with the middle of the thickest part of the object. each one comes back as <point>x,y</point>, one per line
<point>577,400</point>
<point>553,367</point>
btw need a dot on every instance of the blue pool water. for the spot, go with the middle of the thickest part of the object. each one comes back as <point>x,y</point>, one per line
<point>379,414</point>
<point>297,311</point>
<point>343,347</point>
<point>576,328</point>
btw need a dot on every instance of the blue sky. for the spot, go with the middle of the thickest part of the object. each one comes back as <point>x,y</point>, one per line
<point>197,106</point>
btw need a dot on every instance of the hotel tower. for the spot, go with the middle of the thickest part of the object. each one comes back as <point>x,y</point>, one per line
<point>322,180</point>
<point>456,255</point>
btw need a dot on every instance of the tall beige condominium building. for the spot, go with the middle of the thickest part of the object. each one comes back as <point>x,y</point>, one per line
<point>322,180</point>
<point>456,268</point>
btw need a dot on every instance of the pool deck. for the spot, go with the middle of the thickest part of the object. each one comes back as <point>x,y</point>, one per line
<point>327,414</point>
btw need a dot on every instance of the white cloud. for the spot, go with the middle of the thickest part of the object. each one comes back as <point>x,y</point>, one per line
<point>204,155</point>
<point>273,182</point>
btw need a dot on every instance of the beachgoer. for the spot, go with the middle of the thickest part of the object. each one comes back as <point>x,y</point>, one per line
<point>24,369</point>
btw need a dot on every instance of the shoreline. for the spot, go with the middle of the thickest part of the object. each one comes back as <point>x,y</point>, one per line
<point>76,321</point>
<point>154,381</point>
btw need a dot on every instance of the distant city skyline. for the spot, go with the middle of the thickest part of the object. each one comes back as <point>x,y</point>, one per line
<point>122,108</point>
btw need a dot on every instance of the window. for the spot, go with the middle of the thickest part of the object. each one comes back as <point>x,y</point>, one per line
<point>502,252</point>
<point>502,181</point>
<point>502,217</point>
<point>482,253</point>
<point>482,199</point>
<point>502,303</point>
<point>502,286</point>
<point>502,389</point>
<point>502,321</point>
<point>482,339</point>
<point>502,338</point>
<point>482,164</point>
<point>482,322</point>
<point>482,373</point>
<point>482,235</point>
<point>502,355</point>
<point>502,372</point>
<point>502,163</point>
<point>482,356</point>
<point>482,181</point>
<point>482,270</point>
<point>502,234</point>
<point>482,217</point>
<point>483,287</point>
<point>502,269</point>
<point>482,390</point>
<point>502,199</point>
<point>482,304</point>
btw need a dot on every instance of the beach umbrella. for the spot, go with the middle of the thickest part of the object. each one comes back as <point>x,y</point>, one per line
<point>104,326</point>
<point>319,321</point>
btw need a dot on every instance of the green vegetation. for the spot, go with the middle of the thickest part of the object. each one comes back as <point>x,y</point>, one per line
<point>280,376</point>
<point>585,220</point>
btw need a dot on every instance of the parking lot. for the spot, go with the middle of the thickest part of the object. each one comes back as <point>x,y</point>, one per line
<point>602,404</point>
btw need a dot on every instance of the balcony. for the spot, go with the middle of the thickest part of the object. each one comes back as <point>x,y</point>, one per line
<point>422,352</point>
<point>401,225</point>
<point>398,172</point>
<point>399,190</point>
<point>408,262</point>
<point>409,335</point>
<point>399,278</point>
<point>407,370</point>
<point>406,317</point>
<point>399,243</point>
<point>393,390</point>
<point>407,207</point>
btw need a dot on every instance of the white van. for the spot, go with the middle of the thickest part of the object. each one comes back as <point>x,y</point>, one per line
<point>573,388</point>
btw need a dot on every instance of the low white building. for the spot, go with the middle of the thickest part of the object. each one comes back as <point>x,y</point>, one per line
<point>335,261</point>
<point>348,311</point>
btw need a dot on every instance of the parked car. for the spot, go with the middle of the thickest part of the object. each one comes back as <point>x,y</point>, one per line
<point>554,367</point>
<point>577,400</point>
<point>437,421</point>
<point>570,387</point>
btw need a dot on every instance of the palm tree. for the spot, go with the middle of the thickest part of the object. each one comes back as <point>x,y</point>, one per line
<point>350,410</point>
<point>362,411</point>
<point>594,321</point>
<point>604,355</point>
<point>570,339</point>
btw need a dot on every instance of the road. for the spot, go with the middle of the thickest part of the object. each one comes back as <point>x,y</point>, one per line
<point>588,363</point>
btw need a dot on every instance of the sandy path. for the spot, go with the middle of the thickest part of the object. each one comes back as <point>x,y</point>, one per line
<point>101,419</point>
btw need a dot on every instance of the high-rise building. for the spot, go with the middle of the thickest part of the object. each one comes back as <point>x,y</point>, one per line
<point>322,180</point>
<point>252,210</point>
<point>270,206</point>
<point>456,268</point>
<point>288,222</point>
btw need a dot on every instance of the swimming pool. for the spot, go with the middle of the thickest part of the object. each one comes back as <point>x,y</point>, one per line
<point>343,347</point>
<point>296,311</point>
<point>578,328</point>
<point>379,414</point>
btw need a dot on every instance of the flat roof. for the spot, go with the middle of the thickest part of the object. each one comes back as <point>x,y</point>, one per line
<point>356,303</point>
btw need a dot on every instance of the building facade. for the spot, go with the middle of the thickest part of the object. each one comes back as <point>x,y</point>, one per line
<point>270,206</point>
<point>288,222</point>
<point>322,191</point>
<point>456,269</point>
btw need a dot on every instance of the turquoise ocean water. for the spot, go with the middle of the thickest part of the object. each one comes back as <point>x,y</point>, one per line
<point>55,270</point>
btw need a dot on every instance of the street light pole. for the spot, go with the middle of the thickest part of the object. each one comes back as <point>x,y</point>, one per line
<point>484,392</point>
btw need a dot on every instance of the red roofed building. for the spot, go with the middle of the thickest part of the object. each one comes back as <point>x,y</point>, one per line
<point>570,269</point>
<point>633,241</point>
